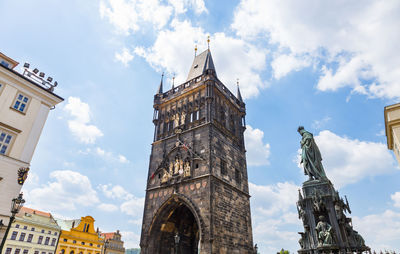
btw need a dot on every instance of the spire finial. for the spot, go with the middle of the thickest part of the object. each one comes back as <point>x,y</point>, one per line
<point>239,95</point>
<point>208,42</point>
<point>195,50</point>
<point>160,87</point>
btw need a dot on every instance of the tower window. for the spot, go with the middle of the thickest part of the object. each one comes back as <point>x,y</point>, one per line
<point>22,237</point>
<point>21,102</point>
<point>238,176</point>
<point>223,168</point>
<point>14,235</point>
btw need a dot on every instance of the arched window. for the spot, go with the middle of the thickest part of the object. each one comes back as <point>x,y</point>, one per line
<point>62,251</point>
<point>72,252</point>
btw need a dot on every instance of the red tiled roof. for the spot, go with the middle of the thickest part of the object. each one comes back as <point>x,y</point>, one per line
<point>108,235</point>
<point>33,211</point>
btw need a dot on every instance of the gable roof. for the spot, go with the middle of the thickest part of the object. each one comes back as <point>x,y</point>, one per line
<point>108,235</point>
<point>27,210</point>
<point>201,63</point>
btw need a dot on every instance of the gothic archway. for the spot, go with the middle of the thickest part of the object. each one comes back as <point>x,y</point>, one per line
<point>175,217</point>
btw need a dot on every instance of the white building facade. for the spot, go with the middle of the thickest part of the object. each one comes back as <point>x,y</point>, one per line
<point>24,106</point>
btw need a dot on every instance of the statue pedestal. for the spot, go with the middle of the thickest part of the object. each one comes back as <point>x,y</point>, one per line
<point>326,227</point>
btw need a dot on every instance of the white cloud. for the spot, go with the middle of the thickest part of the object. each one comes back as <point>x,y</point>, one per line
<point>365,32</point>
<point>283,64</point>
<point>80,124</point>
<point>122,159</point>
<point>257,152</point>
<point>124,57</point>
<point>67,191</point>
<point>133,207</point>
<point>115,192</point>
<point>396,198</point>
<point>318,124</point>
<point>380,231</point>
<point>273,199</point>
<point>107,207</point>
<point>181,6</point>
<point>348,160</point>
<point>106,155</point>
<point>131,239</point>
<point>273,210</point>
<point>173,51</point>
<point>130,15</point>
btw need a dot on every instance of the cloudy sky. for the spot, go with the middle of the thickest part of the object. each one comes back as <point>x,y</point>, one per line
<point>331,66</point>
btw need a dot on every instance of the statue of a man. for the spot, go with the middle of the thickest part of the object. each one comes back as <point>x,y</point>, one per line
<point>310,156</point>
<point>324,232</point>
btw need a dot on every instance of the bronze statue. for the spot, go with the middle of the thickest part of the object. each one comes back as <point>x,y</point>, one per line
<point>311,156</point>
<point>324,232</point>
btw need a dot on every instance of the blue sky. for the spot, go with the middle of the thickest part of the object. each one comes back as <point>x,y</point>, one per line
<point>330,66</point>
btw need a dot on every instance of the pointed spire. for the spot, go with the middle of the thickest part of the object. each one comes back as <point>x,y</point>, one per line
<point>201,64</point>
<point>238,95</point>
<point>160,88</point>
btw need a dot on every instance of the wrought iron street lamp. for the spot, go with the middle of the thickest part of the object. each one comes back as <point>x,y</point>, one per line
<point>177,239</point>
<point>16,205</point>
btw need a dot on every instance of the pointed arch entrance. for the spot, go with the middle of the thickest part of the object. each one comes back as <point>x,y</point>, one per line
<point>176,217</point>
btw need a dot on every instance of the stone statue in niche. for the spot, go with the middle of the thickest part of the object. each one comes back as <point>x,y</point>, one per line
<point>176,165</point>
<point>166,176</point>
<point>186,171</point>
<point>171,168</point>
<point>180,167</point>
<point>183,118</point>
<point>318,203</point>
<point>176,120</point>
<point>324,232</point>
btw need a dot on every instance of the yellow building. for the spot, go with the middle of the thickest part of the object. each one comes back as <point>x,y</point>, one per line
<point>32,232</point>
<point>79,237</point>
<point>392,126</point>
<point>25,101</point>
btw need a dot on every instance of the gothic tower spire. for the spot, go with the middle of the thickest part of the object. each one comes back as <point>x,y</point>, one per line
<point>160,87</point>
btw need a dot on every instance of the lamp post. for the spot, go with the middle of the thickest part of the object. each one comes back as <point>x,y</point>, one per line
<point>176,238</point>
<point>16,205</point>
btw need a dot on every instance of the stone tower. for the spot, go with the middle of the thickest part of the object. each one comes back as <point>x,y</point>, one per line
<point>197,198</point>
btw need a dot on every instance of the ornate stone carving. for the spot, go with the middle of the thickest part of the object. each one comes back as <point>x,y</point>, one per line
<point>324,232</point>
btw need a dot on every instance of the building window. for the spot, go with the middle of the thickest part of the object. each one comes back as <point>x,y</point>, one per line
<point>36,252</point>
<point>43,252</point>
<point>40,240</point>
<point>16,226</point>
<point>91,244</point>
<point>17,251</point>
<point>25,252</point>
<point>5,64</point>
<point>55,233</point>
<point>25,227</point>
<point>83,243</point>
<point>30,236</point>
<point>74,241</point>
<point>5,143</point>
<point>49,232</point>
<point>65,240</point>
<point>21,102</point>
<point>46,242</point>
<point>42,230</point>
<point>22,237</point>
<point>62,251</point>
<point>53,242</point>
<point>223,167</point>
<point>32,229</point>
<point>8,251</point>
<point>14,235</point>
<point>238,177</point>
